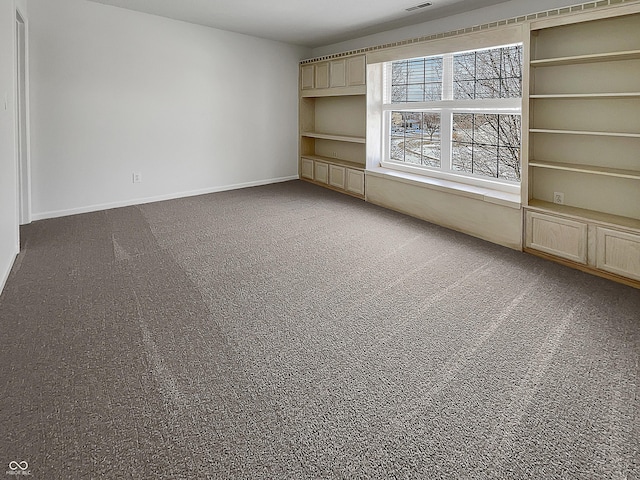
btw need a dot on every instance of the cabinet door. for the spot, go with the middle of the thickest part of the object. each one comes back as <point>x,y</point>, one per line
<point>307,72</point>
<point>618,252</point>
<point>336,176</point>
<point>338,73</point>
<point>355,181</point>
<point>356,70</point>
<point>322,75</point>
<point>322,172</point>
<point>306,168</point>
<point>557,236</point>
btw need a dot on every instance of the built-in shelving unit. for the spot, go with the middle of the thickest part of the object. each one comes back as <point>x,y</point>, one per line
<point>583,157</point>
<point>333,123</point>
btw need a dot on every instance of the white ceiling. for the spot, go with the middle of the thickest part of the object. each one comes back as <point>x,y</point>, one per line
<point>311,23</point>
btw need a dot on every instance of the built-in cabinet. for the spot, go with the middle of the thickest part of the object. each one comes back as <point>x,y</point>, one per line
<point>581,139</point>
<point>583,190</point>
<point>333,123</point>
<point>341,72</point>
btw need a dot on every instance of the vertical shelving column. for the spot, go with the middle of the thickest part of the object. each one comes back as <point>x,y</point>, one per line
<point>584,140</point>
<point>333,124</point>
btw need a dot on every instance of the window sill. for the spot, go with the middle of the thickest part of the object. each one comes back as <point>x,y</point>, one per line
<point>511,200</point>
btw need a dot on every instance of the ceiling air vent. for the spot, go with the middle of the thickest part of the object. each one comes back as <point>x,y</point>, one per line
<point>417,7</point>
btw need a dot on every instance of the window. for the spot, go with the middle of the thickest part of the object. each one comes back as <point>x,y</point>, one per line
<point>456,116</point>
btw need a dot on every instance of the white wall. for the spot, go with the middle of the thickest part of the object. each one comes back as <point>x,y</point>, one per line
<point>193,109</point>
<point>9,236</point>
<point>502,11</point>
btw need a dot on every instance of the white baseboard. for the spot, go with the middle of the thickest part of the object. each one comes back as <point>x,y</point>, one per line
<point>159,198</point>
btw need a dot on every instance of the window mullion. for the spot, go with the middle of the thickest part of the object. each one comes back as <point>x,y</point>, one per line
<point>446,130</point>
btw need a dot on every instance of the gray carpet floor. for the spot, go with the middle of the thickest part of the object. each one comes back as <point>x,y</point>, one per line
<point>291,332</point>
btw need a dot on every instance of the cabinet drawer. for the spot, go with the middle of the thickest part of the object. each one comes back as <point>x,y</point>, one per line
<point>306,168</point>
<point>336,176</point>
<point>557,236</point>
<point>322,172</point>
<point>618,252</point>
<point>355,181</point>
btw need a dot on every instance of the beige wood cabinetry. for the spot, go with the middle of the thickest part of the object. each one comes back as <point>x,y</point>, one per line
<point>333,123</point>
<point>338,74</point>
<point>583,157</point>
<point>307,168</point>
<point>322,75</point>
<point>307,77</point>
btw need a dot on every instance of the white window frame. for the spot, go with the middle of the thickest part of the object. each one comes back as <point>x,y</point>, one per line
<point>446,108</point>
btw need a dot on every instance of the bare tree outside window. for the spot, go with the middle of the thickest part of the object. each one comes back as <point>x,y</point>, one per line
<point>487,145</point>
<point>494,149</point>
<point>494,73</point>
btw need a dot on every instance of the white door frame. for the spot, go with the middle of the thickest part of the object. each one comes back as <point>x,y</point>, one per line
<point>22,119</point>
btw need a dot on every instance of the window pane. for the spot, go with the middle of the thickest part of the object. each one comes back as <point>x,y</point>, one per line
<point>397,137</point>
<point>415,93</point>
<point>415,138</point>
<point>398,93</point>
<point>433,92</point>
<point>461,157</point>
<point>399,73</point>
<point>463,127</point>
<point>417,80</point>
<point>431,139</point>
<point>485,160</point>
<point>397,149</point>
<point>509,163</point>
<point>488,64</point>
<point>433,69</point>
<point>485,129</point>
<point>509,134</point>
<point>416,71</point>
<point>464,66</point>
<point>487,145</point>
<point>464,89</point>
<point>488,88</point>
<point>492,73</point>
<point>512,61</point>
<point>512,88</point>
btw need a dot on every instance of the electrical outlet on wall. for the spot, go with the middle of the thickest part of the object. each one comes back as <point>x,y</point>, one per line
<point>558,197</point>
<point>137,177</point>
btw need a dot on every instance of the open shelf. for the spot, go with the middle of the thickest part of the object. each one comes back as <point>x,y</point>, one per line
<point>583,132</point>
<point>582,213</point>
<point>570,167</point>
<point>335,92</point>
<point>338,138</point>
<point>560,96</point>
<point>335,161</point>
<point>591,58</point>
